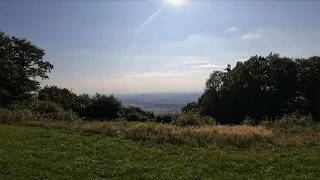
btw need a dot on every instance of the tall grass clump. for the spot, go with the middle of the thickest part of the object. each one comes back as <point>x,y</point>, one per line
<point>198,136</point>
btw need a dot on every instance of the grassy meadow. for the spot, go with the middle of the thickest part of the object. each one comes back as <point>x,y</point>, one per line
<point>135,150</point>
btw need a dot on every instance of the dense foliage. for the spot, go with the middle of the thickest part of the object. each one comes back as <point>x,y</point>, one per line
<point>262,88</point>
<point>62,96</point>
<point>134,116</point>
<point>105,107</point>
<point>21,64</point>
<point>166,118</point>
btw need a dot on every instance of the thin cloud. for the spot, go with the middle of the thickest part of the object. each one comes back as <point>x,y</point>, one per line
<point>195,62</point>
<point>156,74</point>
<point>209,66</point>
<point>251,36</point>
<point>244,59</point>
<point>231,29</point>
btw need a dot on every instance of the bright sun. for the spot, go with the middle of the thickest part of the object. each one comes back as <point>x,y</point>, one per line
<point>175,2</point>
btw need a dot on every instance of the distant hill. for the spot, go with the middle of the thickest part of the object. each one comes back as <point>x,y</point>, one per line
<point>159,103</point>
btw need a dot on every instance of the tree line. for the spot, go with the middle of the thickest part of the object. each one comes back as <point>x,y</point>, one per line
<point>260,88</point>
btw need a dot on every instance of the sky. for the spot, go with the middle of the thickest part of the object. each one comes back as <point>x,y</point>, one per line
<point>157,46</point>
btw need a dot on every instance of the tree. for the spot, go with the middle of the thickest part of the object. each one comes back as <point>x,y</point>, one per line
<point>193,106</point>
<point>105,107</point>
<point>263,87</point>
<point>309,84</point>
<point>21,65</point>
<point>259,87</point>
<point>208,103</point>
<point>83,101</point>
<point>215,81</point>
<point>59,95</point>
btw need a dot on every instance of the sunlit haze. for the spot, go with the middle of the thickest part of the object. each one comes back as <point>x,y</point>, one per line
<point>158,46</point>
<point>175,2</point>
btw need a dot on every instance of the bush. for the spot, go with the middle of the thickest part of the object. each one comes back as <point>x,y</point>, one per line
<point>164,118</point>
<point>42,107</point>
<point>133,109</point>
<point>104,107</point>
<point>249,121</point>
<point>192,119</point>
<point>190,107</point>
<point>136,117</point>
<point>7,116</point>
<point>45,109</point>
<point>289,121</point>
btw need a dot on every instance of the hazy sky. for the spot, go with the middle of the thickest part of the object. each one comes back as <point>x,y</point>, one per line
<point>153,46</point>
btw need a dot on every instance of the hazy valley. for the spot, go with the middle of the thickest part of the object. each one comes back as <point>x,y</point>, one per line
<point>159,103</point>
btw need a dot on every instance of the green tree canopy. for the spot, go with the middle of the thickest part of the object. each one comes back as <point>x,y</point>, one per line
<point>21,64</point>
<point>263,87</point>
<point>105,107</point>
<point>58,95</point>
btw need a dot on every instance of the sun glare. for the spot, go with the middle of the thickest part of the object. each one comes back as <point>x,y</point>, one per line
<point>175,2</point>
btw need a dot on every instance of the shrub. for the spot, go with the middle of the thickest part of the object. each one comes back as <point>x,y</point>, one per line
<point>45,109</point>
<point>164,118</point>
<point>190,107</point>
<point>42,107</point>
<point>249,121</point>
<point>133,109</point>
<point>104,107</point>
<point>136,117</point>
<point>289,121</point>
<point>61,96</point>
<point>7,116</point>
<point>191,119</point>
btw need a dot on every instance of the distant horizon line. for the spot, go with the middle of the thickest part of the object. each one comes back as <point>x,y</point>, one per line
<point>147,93</point>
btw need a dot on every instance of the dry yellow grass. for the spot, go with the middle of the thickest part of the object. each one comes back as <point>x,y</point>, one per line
<point>223,129</point>
<point>239,129</point>
<point>241,136</point>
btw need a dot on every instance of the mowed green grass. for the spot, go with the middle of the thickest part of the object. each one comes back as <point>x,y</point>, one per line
<point>43,153</point>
